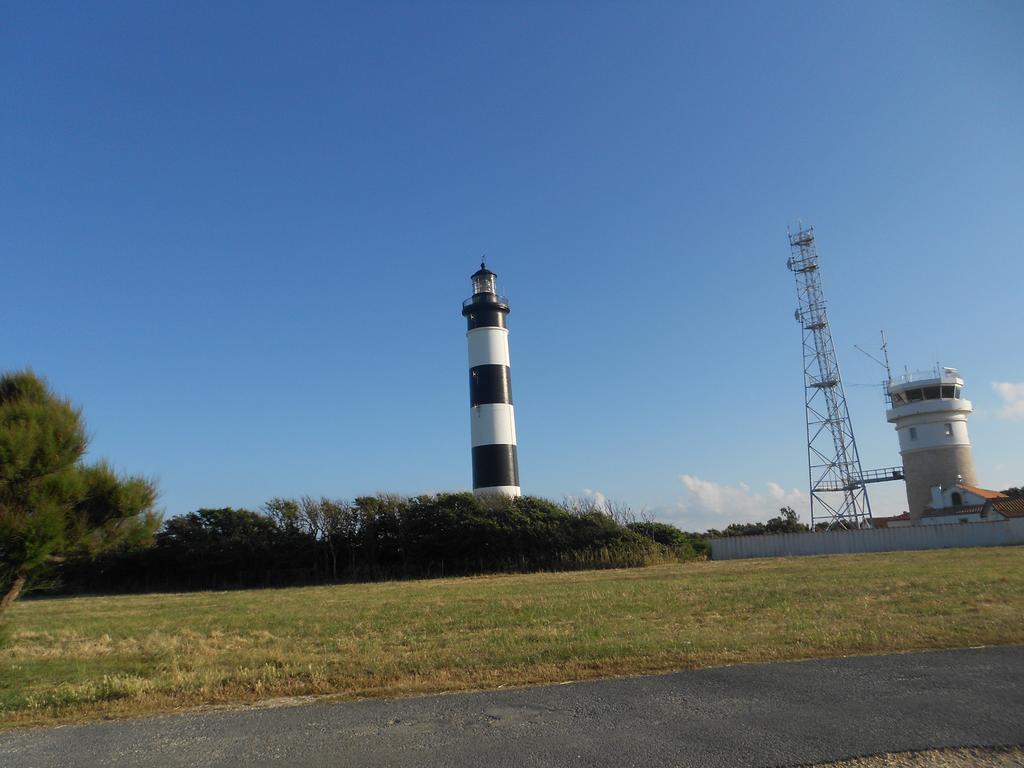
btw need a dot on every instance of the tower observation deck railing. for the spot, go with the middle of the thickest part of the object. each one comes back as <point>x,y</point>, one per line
<point>938,372</point>
<point>485,298</point>
<point>865,477</point>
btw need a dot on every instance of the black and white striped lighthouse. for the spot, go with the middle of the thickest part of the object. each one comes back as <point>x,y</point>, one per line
<point>493,421</point>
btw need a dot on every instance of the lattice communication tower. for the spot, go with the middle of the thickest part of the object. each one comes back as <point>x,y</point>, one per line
<point>838,496</point>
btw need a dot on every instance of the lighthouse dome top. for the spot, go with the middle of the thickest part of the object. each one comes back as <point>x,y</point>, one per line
<point>485,298</point>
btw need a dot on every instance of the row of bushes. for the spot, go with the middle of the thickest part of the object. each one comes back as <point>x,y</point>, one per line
<point>787,521</point>
<point>310,541</point>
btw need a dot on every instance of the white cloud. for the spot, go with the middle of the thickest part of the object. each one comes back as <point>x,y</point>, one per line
<point>1012,394</point>
<point>707,504</point>
<point>597,496</point>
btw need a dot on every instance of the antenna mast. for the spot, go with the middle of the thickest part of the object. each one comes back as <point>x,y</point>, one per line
<point>885,356</point>
<point>838,496</point>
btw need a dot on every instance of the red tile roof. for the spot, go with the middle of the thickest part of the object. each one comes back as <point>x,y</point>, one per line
<point>1004,505</point>
<point>1010,507</point>
<point>969,509</point>
<point>983,492</point>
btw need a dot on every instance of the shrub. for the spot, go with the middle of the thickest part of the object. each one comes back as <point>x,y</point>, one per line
<point>306,541</point>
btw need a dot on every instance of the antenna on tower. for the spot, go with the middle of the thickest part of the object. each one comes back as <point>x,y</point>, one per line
<point>833,463</point>
<point>868,354</point>
<point>885,355</point>
<point>884,362</point>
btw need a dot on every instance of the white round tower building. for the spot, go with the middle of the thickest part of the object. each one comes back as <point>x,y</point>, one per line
<point>930,416</point>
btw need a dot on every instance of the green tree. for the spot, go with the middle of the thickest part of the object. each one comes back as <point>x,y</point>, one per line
<point>51,504</point>
<point>787,522</point>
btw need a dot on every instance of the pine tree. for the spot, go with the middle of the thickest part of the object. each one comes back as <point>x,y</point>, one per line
<point>51,504</point>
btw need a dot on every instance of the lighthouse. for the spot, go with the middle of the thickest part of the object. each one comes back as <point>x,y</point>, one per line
<point>492,418</point>
<point>930,416</point>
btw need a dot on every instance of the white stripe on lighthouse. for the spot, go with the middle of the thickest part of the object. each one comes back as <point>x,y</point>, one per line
<point>503,490</point>
<point>488,346</point>
<point>493,423</point>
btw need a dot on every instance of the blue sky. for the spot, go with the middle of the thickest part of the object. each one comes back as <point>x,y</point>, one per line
<point>239,235</point>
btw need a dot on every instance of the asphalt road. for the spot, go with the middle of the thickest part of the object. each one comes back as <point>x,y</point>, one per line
<point>757,715</point>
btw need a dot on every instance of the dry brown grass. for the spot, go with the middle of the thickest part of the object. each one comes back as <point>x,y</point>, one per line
<point>973,757</point>
<point>87,657</point>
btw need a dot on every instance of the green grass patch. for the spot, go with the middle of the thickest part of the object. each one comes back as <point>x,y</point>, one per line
<point>85,657</point>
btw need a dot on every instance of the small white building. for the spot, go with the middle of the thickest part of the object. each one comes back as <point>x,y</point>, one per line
<point>960,503</point>
<point>965,503</point>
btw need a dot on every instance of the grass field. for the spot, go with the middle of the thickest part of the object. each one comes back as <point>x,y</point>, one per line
<point>88,657</point>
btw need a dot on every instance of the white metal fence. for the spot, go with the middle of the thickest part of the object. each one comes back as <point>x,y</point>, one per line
<point>994,534</point>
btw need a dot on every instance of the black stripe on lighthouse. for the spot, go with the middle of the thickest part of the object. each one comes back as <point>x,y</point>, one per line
<point>490,384</point>
<point>486,317</point>
<point>495,466</point>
